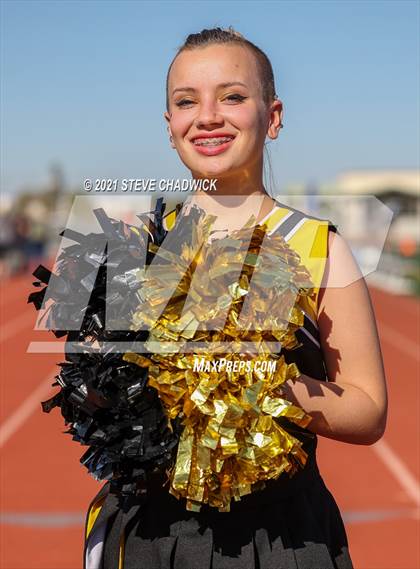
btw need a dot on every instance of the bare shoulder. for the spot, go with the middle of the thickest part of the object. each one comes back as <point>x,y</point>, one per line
<point>344,295</point>
<point>341,267</point>
<point>347,325</point>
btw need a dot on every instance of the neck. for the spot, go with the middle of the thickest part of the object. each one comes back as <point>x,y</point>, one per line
<point>233,209</point>
<point>237,195</point>
<point>243,183</point>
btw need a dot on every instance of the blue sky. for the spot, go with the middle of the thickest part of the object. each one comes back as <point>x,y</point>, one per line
<point>83,84</point>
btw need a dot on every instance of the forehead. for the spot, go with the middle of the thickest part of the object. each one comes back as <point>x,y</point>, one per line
<point>213,64</point>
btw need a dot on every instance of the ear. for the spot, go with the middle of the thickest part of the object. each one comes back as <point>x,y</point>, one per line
<point>167,117</point>
<point>276,118</point>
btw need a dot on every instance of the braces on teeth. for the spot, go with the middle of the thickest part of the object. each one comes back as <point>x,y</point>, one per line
<point>212,141</point>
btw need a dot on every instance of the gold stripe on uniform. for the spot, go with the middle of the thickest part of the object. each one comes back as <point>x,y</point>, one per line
<point>93,514</point>
<point>121,556</point>
<point>311,241</point>
<point>169,219</point>
<point>92,517</point>
<point>275,218</point>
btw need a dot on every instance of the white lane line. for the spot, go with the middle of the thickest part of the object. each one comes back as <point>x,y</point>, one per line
<point>363,516</point>
<point>25,410</point>
<point>399,470</point>
<point>12,328</point>
<point>401,341</point>
<point>53,347</point>
<point>42,519</point>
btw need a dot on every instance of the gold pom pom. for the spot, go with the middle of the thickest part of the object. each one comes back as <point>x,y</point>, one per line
<point>231,294</point>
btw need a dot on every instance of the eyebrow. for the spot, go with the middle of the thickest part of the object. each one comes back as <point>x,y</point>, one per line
<point>222,85</point>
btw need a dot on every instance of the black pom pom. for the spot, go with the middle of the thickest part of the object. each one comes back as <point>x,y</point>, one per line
<point>105,400</point>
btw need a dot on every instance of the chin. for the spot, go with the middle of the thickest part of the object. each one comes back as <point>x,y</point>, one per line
<point>207,166</point>
<point>211,173</point>
<point>212,170</point>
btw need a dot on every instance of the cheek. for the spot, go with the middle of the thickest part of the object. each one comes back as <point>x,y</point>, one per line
<point>179,124</point>
<point>246,120</point>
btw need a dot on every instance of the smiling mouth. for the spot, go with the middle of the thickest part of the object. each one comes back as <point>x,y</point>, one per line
<point>214,141</point>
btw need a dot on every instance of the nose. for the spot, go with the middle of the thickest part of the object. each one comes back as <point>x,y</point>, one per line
<point>208,114</point>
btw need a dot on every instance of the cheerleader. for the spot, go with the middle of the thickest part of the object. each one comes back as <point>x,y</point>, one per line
<point>221,107</point>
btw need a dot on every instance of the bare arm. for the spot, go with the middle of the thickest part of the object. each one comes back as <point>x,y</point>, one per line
<point>352,405</point>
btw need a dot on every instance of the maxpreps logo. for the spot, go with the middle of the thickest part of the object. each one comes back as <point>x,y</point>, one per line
<point>237,366</point>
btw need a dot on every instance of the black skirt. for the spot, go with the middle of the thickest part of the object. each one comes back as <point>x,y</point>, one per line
<point>294,523</point>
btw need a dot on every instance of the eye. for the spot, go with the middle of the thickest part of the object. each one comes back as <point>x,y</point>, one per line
<point>236,97</point>
<point>183,103</point>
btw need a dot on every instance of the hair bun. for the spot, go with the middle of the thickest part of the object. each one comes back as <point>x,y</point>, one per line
<point>233,32</point>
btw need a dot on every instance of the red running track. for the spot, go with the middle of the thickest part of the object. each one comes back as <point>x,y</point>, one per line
<point>45,491</point>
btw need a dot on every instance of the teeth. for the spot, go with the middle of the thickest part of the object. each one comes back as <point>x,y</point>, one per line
<point>212,141</point>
